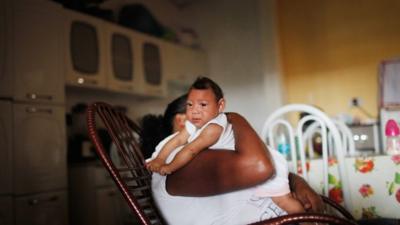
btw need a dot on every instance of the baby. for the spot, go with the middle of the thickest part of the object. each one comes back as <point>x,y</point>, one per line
<point>207,127</point>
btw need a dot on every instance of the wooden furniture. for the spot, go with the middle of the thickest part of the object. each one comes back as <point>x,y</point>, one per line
<point>134,180</point>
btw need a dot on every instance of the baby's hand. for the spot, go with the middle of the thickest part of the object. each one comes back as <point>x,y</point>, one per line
<point>165,170</point>
<point>155,165</point>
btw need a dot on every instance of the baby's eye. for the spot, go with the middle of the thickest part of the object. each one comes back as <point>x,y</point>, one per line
<point>189,104</point>
<point>203,104</point>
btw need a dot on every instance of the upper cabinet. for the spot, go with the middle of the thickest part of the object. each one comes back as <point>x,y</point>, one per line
<point>85,50</point>
<point>152,65</point>
<point>105,55</point>
<point>31,51</point>
<point>44,46</point>
<point>123,72</point>
<point>135,63</point>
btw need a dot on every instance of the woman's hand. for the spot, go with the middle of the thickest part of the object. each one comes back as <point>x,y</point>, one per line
<point>311,201</point>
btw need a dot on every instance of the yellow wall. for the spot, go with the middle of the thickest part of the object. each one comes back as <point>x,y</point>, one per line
<point>331,49</point>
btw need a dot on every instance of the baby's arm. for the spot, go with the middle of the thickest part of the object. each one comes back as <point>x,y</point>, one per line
<point>180,139</point>
<point>207,138</point>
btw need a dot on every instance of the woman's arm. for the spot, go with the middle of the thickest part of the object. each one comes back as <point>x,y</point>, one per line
<point>214,172</point>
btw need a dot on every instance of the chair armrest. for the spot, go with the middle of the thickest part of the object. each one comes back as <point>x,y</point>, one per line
<point>306,217</point>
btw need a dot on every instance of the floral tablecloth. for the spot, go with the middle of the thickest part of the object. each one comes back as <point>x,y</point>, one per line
<point>374,184</point>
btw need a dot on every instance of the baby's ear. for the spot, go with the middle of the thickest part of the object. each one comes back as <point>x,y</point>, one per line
<point>221,105</point>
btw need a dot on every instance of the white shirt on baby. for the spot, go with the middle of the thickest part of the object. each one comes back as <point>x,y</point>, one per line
<point>226,139</point>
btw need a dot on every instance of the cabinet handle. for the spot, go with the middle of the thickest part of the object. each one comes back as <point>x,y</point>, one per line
<point>38,110</point>
<point>81,80</point>
<point>35,96</point>
<point>36,201</point>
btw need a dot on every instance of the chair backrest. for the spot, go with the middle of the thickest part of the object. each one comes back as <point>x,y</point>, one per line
<point>295,138</point>
<point>348,144</point>
<point>129,173</point>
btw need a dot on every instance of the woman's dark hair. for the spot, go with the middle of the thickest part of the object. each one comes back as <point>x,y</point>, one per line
<point>178,106</point>
<point>203,83</point>
<point>157,127</point>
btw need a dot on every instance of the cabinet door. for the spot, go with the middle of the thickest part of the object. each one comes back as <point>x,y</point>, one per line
<point>39,148</point>
<point>108,203</point>
<point>6,146</point>
<point>6,210</point>
<point>123,52</point>
<point>37,53</point>
<point>85,54</point>
<point>150,64</point>
<point>42,209</point>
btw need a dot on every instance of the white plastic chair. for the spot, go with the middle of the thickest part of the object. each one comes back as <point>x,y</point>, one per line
<point>325,124</point>
<point>348,144</point>
<point>308,138</point>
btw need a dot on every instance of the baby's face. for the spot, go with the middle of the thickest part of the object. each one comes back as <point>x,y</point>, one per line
<point>202,106</point>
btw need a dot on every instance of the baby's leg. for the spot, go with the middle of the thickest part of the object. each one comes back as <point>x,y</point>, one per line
<point>288,203</point>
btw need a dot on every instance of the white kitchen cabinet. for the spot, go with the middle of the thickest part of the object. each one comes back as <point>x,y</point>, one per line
<point>6,147</point>
<point>48,208</point>
<point>123,52</point>
<point>104,55</point>
<point>39,148</point>
<point>31,53</point>
<point>151,63</point>
<point>85,50</point>
<point>136,62</point>
<point>6,210</point>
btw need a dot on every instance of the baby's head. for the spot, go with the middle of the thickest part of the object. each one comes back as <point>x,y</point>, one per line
<point>205,101</point>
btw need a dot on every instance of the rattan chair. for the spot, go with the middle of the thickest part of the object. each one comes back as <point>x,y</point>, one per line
<point>134,181</point>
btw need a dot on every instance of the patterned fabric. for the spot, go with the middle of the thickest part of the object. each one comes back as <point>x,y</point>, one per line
<point>375,184</point>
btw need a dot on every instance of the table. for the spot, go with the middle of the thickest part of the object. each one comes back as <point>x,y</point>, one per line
<point>374,184</point>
